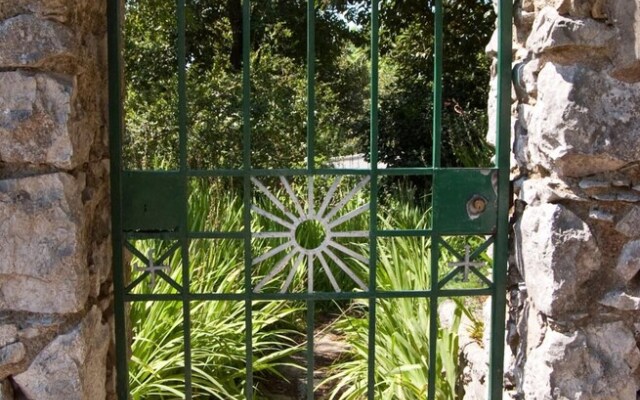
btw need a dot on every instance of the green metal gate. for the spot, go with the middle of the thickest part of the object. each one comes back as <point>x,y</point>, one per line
<point>153,205</point>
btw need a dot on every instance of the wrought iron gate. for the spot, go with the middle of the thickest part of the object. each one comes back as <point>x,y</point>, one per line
<point>153,205</point>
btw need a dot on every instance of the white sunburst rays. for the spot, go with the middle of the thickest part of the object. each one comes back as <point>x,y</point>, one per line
<point>328,218</point>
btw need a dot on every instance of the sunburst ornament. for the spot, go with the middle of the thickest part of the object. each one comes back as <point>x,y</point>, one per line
<point>310,234</point>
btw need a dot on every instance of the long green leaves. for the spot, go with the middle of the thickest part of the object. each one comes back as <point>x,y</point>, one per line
<point>402,326</point>
<point>218,327</point>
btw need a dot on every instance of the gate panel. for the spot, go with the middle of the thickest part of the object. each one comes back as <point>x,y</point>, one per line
<point>154,231</point>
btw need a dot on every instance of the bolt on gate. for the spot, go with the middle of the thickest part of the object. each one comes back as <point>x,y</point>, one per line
<point>304,230</point>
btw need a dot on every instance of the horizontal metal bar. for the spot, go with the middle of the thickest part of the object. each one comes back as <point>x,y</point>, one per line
<point>239,235</point>
<point>306,172</point>
<point>406,171</point>
<point>195,173</point>
<point>279,172</point>
<point>465,292</point>
<point>177,235</point>
<point>404,233</point>
<point>152,235</point>
<point>318,296</point>
<point>215,235</point>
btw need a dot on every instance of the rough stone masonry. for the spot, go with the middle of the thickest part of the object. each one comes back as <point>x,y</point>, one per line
<point>575,294</point>
<point>55,285</point>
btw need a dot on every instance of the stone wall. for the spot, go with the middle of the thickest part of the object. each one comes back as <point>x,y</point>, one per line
<point>55,249</point>
<point>575,295</point>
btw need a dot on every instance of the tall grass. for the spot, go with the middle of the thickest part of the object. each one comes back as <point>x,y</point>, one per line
<point>218,332</point>
<point>217,329</point>
<point>402,325</point>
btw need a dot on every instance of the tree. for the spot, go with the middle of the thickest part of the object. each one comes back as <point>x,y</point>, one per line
<point>278,66</point>
<point>406,101</point>
<point>214,83</point>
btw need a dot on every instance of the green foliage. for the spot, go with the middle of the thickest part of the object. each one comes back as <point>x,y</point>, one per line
<point>406,102</point>
<point>214,85</point>
<point>279,79</point>
<point>402,326</point>
<point>217,327</point>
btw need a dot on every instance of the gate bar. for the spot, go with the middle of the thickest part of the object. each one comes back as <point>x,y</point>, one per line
<point>114,46</point>
<point>438,55</point>
<point>436,139</point>
<point>183,235</point>
<point>246,197</point>
<point>373,202</point>
<point>503,157</point>
<point>311,84</point>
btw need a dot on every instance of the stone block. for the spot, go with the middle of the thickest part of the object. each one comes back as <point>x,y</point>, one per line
<point>555,4</point>
<point>30,42</point>
<point>76,13</point>
<point>57,10</point>
<point>625,15</point>
<point>552,32</point>
<point>559,254</point>
<point>601,214</point>
<point>621,301</point>
<point>72,366</point>
<point>584,122</point>
<point>573,8</point>
<point>547,190</point>
<point>628,263</point>
<point>8,334</point>
<point>43,246</point>
<point>10,357</point>
<point>36,121</point>
<point>629,224</point>
<point>595,364</point>
<point>529,82</point>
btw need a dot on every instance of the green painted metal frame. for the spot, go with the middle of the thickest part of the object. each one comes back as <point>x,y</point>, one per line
<point>129,187</point>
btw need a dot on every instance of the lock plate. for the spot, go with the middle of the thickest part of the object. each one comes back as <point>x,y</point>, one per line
<point>154,201</point>
<point>465,200</point>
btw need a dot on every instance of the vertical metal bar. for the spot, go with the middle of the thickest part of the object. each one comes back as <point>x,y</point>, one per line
<point>184,241</point>
<point>114,35</point>
<point>437,84</point>
<point>373,210</point>
<point>311,310</point>
<point>503,144</point>
<point>246,198</point>
<point>186,318</point>
<point>436,137</point>
<point>311,165</point>
<point>311,83</point>
<point>433,314</point>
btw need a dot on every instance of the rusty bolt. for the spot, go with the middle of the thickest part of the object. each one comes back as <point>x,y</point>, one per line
<point>477,205</point>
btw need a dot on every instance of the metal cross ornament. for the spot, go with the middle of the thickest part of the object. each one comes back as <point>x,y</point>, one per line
<point>152,269</point>
<point>466,264</point>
